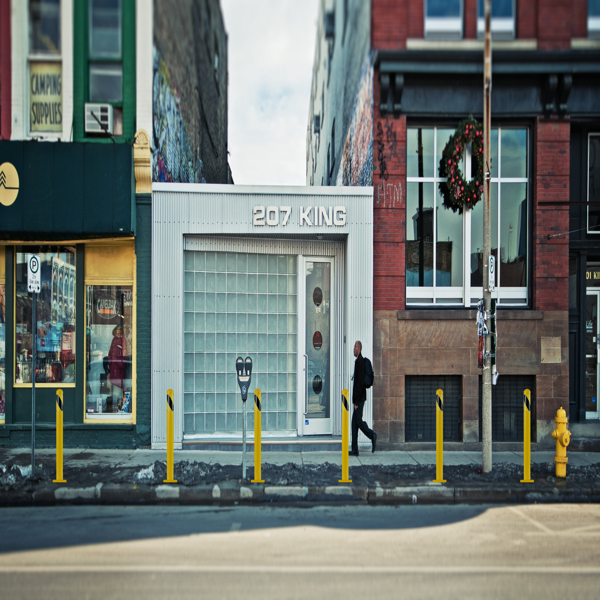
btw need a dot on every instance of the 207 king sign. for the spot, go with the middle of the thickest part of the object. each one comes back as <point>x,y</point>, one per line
<point>311,216</point>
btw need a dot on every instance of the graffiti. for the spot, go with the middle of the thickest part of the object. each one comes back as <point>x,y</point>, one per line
<point>388,194</point>
<point>174,158</point>
<point>390,138</point>
<point>356,167</point>
<point>383,172</point>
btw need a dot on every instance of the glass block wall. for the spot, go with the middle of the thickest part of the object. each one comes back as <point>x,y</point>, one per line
<point>239,305</point>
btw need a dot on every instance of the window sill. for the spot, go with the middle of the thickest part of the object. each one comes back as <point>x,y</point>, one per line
<point>424,44</point>
<point>585,44</point>
<point>437,314</point>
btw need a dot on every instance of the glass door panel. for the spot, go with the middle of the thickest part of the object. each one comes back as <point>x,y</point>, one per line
<point>318,349</point>
<point>591,356</point>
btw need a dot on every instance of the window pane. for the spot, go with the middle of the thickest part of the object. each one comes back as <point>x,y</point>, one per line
<point>500,8</point>
<point>105,28</point>
<point>2,352</point>
<point>593,8</point>
<point>419,153</point>
<point>513,235</point>
<point>106,83</point>
<point>594,183</point>
<point>449,250</point>
<point>109,321</point>
<point>477,236</point>
<point>55,317</point>
<point>514,152</point>
<point>419,234</point>
<point>44,27</point>
<point>443,8</point>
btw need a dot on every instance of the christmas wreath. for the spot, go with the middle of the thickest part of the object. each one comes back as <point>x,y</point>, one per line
<point>456,191</point>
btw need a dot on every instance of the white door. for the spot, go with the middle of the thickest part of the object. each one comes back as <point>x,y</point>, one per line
<point>316,345</point>
<point>592,340</point>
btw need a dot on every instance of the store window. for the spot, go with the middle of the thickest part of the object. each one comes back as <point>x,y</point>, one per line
<point>503,19</point>
<point>593,18</point>
<point>106,57</point>
<point>55,317</point>
<point>444,19</point>
<point>444,249</point>
<point>594,183</point>
<point>45,66</point>
<point>239,305</point>
<point>109,340</point>
<point>2,336</point>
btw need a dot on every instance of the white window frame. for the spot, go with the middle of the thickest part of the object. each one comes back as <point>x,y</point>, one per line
<point>587,183</point>
<point>466,295</point>
<point>444,28</point>
<point>502,28</point>
<point>593,25</point>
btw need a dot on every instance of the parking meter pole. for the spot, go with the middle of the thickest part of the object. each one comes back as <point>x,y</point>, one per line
<point>257,438</point>
<point>59,438</point>
<point>170,437</point>
<point>526,437</point>
<point>243,369</point>
<point>439,437</point>
<point>33,370</point>
<point>345,420</point>
<point>244,450</point>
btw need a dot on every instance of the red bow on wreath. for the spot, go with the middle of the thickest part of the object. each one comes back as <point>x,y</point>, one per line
<point>456,191</point>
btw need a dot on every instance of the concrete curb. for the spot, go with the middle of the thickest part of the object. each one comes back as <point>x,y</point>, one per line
<point>233,492</point>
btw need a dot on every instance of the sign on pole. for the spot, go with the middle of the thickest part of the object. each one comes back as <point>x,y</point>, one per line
<point>34,276</point>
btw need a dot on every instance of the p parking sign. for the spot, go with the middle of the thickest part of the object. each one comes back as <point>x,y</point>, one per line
<point>34,277</point>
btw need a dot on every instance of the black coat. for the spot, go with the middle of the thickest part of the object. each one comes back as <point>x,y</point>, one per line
<point>359,392</point>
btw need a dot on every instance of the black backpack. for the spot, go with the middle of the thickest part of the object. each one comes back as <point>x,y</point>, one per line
<point>369,375</point>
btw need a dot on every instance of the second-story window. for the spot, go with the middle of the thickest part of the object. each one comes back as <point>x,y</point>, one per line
<point>503,19</point>
<point>106,56</point>
<point>45,67</point>
<point>594,18</point>
<point>444,19</point>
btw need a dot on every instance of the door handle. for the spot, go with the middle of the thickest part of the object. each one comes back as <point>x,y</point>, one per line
<point>305,384</point>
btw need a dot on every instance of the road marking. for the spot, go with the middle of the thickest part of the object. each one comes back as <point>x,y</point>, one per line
<point>235,527</point>
<point>532,521</point>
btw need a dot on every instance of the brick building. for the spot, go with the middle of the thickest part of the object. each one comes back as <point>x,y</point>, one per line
<point>425,75</point>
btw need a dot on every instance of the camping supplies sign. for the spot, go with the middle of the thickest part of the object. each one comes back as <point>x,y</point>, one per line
<point>45,96</point>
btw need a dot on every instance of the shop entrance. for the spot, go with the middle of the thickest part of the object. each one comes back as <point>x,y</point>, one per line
<point>317,349</point>
<point>592,340</point>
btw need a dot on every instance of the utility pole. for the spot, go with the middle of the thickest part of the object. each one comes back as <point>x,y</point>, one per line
<point>486,400</point>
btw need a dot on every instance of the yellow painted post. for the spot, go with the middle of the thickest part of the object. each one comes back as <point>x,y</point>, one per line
<point>345,420</point>
<point>170,437</point>
<point>526,437</point>
<point>257,438</point>
<point>439,437</point>
<point>59,438</point>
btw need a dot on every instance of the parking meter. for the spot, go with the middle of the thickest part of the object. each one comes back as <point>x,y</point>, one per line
<point>244,375</point>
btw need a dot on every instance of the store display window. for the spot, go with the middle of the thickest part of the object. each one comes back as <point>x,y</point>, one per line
<point>109,319</point>
<point>2,351</point>
<point>55,317</point>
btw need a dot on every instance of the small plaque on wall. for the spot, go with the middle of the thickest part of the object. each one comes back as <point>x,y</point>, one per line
<point>551,350</point>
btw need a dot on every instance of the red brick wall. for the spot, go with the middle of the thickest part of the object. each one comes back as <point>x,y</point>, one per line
<point>389,24</point>
<point>579,18</point>
<point>416,19</point>
<point>551,184</point>
<point>5,70</point>
<point>554,24</point>
<point>470,22</point>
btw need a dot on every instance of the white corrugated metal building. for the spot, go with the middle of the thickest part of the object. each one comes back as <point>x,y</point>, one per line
<point>281,274</point>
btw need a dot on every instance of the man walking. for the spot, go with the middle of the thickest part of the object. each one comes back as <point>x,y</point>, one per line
<point>359,395</point>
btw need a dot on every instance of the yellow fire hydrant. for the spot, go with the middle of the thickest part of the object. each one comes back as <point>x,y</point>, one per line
<point>562,436</point>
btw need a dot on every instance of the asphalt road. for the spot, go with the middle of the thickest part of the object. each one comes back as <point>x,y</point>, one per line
<point>534,551</point>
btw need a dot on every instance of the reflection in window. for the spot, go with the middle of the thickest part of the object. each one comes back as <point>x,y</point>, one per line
<point>594,184</point>
<point>44,27</point>
<point>594,18</point>
<point>105,28</point>
<point>503,19</point>
<point>108,370</point>
<point>55,317</point>
<point>2,351</point>
<point>106,83</point>
<point>443,19</point>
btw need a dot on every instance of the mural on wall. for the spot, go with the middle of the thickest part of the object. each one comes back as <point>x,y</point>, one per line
<point>356,167</point>
<point>174,158</point>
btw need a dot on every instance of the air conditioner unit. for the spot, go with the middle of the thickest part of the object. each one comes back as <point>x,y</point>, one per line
<point>98,118</point>
<point>317,124</point>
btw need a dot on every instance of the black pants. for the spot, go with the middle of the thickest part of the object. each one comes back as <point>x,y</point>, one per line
<point>358,423</point>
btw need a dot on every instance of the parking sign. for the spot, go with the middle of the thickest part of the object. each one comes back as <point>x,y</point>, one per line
<point>34,277</point>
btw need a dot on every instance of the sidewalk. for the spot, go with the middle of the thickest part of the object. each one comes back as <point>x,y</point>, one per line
<point>209,477</point>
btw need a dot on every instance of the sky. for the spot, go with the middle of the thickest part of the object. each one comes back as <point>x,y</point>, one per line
<point>270,59</point>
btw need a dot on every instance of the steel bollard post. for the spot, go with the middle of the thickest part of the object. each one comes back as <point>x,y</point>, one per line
<point>257,438</point>
<point>439,437</point>
<point>345,421</point>
<point>59,438</point>
<point>526,437</point>
<point>170,437</point>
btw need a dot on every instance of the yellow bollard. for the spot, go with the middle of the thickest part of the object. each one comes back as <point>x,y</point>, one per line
<point>170,437</point>
<point>439,437</point>
<point>345,421</point>
<point>562,436</point>
<point>526,437</point>
<point>59,438</point>
<point>257,438</point>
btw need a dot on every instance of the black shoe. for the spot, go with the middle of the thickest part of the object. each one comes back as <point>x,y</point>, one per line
<point>374,441</point>
<point>352,453</point>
